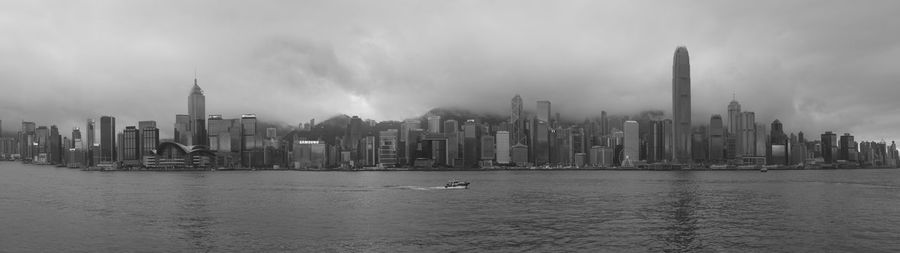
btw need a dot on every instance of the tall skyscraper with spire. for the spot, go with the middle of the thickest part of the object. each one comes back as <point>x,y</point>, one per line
<point>681,105</point>
<point>197,115</point>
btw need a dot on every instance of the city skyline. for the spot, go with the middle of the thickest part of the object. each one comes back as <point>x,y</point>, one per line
<point>792,66</point>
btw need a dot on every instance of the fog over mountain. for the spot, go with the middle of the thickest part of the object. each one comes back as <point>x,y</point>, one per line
<point>814,65</point>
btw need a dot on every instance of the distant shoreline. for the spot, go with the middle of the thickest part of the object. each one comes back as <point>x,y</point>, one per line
<point>466,169</point>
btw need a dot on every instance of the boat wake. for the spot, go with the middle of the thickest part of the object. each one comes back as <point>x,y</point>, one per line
<point>418,188</point>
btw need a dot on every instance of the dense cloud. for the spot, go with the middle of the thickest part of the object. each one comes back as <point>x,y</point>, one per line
<point>815,65</point>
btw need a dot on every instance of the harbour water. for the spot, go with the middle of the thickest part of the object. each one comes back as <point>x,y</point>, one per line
<point>49,209</point>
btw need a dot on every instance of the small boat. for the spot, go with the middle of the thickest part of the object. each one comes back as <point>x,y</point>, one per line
<point>764,169</point>
<point>456,184</point>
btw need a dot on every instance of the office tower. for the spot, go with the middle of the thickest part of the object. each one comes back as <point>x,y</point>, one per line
<point>451,126</point>
<point>847,149</point>
<point>503,147</point>
<point>107,139</point>
<point>630,147</point>
<point>26,140</point>
<point>656,142</point>
<point>762,140</point>
<point>681,105</point>
<point>183,134</point>
<point>120,147</point>
<point>517,120</point>
<point>747,134</point>
<point>149,140</point>
<point>487,151</point>
<point>146,124</point>
<point>55,146</point>
<point>353,134</point>
<point>197,115</point>
<point>829,142</point>
<point>779,145</point>
<point>41,139</point>
<point>604,124</point>
<point>716,139</point>
<point>472,134</point>
<point>89,134</point>
<point>543,110</point>
<point>700,144</point>
<point>407,154</point>
<point>77,141</point>
<point>387,147</point>
<point>434,124</point>
<point>131,146</point>
<point>733,132</point>
<point>249,141</point>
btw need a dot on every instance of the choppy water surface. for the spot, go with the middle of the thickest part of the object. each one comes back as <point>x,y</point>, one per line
<point>56,209</point>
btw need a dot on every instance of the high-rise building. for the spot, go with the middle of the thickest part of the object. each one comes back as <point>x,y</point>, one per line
<point>107,139</point>
<point>779,145</point>
<point>847,149</point>
<point>747,134</point>
<point>89,134</point>
<point>197,115</point>
<point>434,124</point>
<point>183,134</point>
<point>517,120</point>
<point>829,143</point>
<point>249,141</point>
<point>716,139</point>
<point>149,141</point>
<point>55,146</point>
<point>472,133</point>
<point>762,140</point>
<point>131,146</point>
<point>631,146</point>
<point>681,105</point>
<point>543,110</point>
<point>541,132</point>
<point>503,147</point>
<point>733,132</point>
<point>387,147</point>
<point>77,141</point>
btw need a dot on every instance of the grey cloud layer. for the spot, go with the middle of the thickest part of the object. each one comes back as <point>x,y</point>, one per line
<point>816,65</point>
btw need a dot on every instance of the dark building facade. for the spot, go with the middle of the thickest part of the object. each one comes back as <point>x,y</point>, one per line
<point>107,139</point>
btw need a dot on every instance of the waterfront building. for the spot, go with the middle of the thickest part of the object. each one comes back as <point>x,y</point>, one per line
<point>107,139</point>
<point>55,146</point>
<point>197,115</point>
<point>778,141</point>
<point>251,148</point>
<point>472,133</point>
<point>681,105</point>
<point>716,139</point>
<point>762,140</point>
<point>174,156</point>
<point>309,155</point>
<point>847,149</point>
<point>488,153</point>
<point>733,132</point>
<point>631,148</point>
<point>517,120</point>
<point>149,140</point>
<point>387,147</point>
<point>519,154</point>
<point>747,135</point>
<point>90,131</point>
<point>700,144</point>
<point>503,147</point>
<point>131,144</point>
<point>829,144</point>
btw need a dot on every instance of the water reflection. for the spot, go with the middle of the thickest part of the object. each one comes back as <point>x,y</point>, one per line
<point>681,224</point>
<point>193,217</point>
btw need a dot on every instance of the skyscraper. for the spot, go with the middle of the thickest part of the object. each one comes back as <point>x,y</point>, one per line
<point>681,105</point>
<point>517,120</point>
<point>631,146</point>
<point>89,133</point>
<point>733,132</point>
<point>747,134</point>
<point>182,129</point>
<point>541,144</point>
<point>107,139</point>
<point>503,147</point>
<point>197,115</point>
<point>131,146</point>
<point>434,124</point>
<point>716,139</point>
<point>829,144</point>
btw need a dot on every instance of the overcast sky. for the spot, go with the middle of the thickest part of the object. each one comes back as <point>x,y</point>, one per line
<point>815,65</point>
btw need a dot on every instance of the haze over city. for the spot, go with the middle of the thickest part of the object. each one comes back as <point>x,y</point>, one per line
<point>814,65</point>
